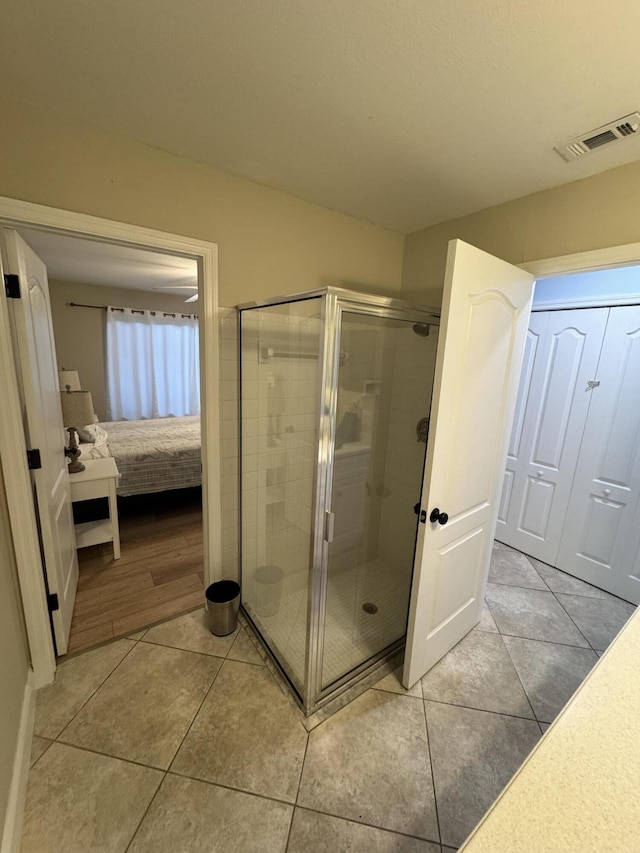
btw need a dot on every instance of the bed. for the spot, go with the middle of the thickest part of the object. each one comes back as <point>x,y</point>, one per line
<point>151,455</point>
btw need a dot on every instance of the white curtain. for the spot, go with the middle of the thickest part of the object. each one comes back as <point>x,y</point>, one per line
<point>153,365</point>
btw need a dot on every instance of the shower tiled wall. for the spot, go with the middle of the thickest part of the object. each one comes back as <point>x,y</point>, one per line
<point>280,415</point>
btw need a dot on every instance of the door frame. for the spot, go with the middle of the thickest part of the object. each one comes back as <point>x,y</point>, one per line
<point>612,257</point>
<point>17,481</point>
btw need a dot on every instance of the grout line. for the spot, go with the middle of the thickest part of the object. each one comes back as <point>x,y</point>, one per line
<point>295,804</point>
<point>46,749</point>
<point>193,719</point>
<point>513,664</point>
<point>180,649</point>
<point>227,787</point>
<point>544,588</point>
<point>433,777</point>
<point>370,825</point>
<point>146,811</point>
<point>102,683</point>
<point>538,639</point>
<point>572,619</point>
<point>110,755</point>
<point>550,642</point>
<point>533,719</point>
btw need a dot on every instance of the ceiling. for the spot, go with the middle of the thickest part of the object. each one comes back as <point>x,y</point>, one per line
<point>90,262</point>
<point>401,112</point>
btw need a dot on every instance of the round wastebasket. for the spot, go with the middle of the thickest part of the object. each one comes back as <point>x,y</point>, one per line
<point>223,603</point>
<point>268,590</point>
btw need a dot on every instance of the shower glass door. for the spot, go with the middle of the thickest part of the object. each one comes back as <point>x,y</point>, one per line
<point>385,379</point>
<point>279,376</point>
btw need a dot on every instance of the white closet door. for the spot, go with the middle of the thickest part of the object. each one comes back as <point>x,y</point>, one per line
<point>601,540</point>
<point>536,336</point>
<point>565,347</point>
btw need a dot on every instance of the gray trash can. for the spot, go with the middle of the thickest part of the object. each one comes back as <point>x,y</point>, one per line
<point>223,603</point>
<point>268,590</point>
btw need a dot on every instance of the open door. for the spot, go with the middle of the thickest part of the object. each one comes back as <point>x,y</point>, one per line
<point>40,397</point>
<point>485,312</point>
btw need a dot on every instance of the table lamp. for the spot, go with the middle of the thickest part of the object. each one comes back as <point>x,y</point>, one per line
<point>77,411</point>
<point>69,379</point>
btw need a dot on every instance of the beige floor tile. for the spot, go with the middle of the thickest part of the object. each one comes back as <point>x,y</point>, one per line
<point>243,649</point>
<point>514,569</point>
<point>550,673</point>
<point>190,632</point>
<point>478,673</point>
<point>78,802</point>
<point>393,684</point>
<point>246,735</point>
<point>487,622</point>
<point>144,710</point>
<point>474,754</point>
<point>188,815</point>
<point>76,681</point>
<point>312,832</point>
<point>39,745</point>
<point>370,763</point>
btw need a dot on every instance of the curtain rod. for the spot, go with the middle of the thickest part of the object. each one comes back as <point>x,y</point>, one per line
<point>133,310</point>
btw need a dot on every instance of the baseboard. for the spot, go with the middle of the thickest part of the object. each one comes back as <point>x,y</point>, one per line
<point>17,793</point>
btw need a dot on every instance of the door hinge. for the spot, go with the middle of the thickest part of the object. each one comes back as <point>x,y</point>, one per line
<point>33,459</point>
<point>12,286</point>
<point>52,602</point>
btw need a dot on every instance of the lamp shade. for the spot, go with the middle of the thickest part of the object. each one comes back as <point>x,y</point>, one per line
<point>77,408</point>
<point>70,378</point>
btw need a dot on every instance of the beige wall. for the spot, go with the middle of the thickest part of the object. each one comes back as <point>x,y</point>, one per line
<point>590,214</point>
<point>80,332</point>
<point>269,243</point>
<point>14,659</point>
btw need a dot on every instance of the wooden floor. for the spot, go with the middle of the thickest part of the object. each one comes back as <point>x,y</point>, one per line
<point>160,573</point>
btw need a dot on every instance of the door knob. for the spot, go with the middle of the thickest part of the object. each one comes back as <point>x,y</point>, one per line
<point>422,514</point>
<point>440,517</point>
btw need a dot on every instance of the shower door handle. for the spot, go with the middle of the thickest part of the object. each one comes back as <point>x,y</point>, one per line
<point>329,524</point>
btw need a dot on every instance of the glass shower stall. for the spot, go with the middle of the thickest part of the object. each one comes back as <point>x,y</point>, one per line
<point>335,396</point>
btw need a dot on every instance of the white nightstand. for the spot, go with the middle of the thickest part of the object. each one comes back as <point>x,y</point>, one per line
<point>98,480</point>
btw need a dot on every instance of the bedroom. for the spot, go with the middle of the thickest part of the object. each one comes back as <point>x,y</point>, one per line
<point>148,424</point>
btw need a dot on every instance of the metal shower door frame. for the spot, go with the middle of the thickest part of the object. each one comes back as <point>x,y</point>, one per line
<point>335,303</point>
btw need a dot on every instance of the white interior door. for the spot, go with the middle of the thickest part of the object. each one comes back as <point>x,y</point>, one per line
<point>486,307</point>
<point>36,360</point>
<point>601,539</point>
<point>561,357</point>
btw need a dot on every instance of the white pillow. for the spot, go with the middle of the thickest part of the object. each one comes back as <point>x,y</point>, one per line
<point>93,434</point>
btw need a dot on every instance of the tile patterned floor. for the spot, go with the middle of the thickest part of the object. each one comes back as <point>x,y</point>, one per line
<point>175,740</point>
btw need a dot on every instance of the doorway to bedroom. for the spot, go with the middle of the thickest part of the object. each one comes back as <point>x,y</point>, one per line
<point>125,330</point>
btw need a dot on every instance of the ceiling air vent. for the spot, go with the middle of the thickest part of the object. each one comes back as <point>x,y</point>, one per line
<point>587,142</point>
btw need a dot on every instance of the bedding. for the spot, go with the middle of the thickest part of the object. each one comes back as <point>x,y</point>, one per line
<point>151,455</point>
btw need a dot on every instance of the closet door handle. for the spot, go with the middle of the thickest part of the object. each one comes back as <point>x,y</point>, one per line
<point>606,492</point>
<point>540,474</point>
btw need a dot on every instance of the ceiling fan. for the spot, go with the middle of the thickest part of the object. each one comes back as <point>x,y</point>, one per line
<point>193,298</point>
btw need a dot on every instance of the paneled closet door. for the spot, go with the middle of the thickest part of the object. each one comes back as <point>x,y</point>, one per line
<point>601,539</point>
<point>562,354</point>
